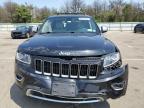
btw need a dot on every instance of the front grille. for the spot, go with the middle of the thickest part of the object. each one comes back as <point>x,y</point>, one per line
<point>69,69</point>
<point>17,33</point>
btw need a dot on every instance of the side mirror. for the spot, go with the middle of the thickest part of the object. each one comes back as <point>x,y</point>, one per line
<point>104,29</point>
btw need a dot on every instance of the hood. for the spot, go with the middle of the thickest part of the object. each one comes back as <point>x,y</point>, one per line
<point>19,31</point>
<point>67,45</point>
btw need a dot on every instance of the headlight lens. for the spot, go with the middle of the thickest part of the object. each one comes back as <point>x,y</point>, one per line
<point>110,59</point>
<point>25,58</point>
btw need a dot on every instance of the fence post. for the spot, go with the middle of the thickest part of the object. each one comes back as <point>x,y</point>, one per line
<point>120,27</point>
<point>109,26</point>
<point>131,26</point>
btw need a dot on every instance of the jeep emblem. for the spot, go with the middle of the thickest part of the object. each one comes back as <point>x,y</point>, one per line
<point>64,53</point>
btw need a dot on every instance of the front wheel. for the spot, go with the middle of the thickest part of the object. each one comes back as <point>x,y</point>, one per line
<point>27,35</point>
<point>143,30</point>
<point>135,31</point>
<point>12,37</point>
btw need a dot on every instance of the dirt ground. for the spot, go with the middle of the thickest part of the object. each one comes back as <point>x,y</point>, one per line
<point>132,49</point>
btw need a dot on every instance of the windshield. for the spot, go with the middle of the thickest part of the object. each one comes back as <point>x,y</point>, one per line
<point>69,25</point>
<point>21,28</point>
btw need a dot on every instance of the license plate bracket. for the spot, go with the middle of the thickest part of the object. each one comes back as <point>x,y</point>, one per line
<point>65,89</point>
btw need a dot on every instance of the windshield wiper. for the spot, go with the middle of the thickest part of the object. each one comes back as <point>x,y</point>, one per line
<point>72,32</point>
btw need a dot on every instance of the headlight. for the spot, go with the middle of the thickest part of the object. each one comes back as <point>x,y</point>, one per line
<point>111,59</point>
<point>25,58</point>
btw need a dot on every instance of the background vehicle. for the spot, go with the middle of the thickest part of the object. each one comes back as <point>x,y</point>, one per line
<point>139,28</point>
<point>22,32</point>
<point>70,61</point>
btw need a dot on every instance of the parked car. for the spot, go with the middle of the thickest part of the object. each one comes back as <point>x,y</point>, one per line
<point>70,61</point>
<point>139,28</point>
<point>22,32</point>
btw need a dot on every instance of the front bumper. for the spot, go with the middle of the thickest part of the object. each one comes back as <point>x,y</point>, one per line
<point>18,35</point>
<point>110,85</point>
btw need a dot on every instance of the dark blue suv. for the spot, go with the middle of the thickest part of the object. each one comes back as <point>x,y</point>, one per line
<point>70,61</point>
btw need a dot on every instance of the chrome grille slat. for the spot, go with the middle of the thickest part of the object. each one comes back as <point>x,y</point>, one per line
<point>83,71</point>
<point>93,71</point>
<point>56,69</point>
<point>67,69</point>
<point>38,66</point>
<point>74,70</point>
<point>47,67</point>
<point>65,72</point>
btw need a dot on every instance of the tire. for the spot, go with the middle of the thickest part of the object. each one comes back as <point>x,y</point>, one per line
<point>12,37</point>
<point>27,35</point>
<point>135,31</point>
<point>143,31</point>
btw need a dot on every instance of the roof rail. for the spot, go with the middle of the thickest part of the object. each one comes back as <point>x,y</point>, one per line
<point>79,13</point>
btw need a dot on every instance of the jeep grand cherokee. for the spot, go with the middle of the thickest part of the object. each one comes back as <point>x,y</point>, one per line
<point>70,61</point>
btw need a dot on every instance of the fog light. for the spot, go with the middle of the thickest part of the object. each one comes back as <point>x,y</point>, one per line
<point>19,78</point>
<point>118,86</point>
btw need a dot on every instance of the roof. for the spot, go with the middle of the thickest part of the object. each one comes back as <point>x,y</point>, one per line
<point>70,15</point>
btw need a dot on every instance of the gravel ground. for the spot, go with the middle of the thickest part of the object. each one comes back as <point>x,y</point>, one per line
<point>132,49</point>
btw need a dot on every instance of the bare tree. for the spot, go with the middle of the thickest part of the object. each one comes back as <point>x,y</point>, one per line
<point>66,8</point>
<point>73,6</point>
<point>89,10</point>
<point>10,8</point>
<point>96,6</point>
<point>117,7</point>
<point>42,13</point>
<point>76,5</point>
<point>101,10</point>
<point>3,15</point>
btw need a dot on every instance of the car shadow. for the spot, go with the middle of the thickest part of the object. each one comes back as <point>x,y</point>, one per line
<point>26,102</point>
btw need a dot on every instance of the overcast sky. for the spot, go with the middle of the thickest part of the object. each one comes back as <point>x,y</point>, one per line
<point>51,3</point>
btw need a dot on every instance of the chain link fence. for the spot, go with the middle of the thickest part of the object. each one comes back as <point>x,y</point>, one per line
<point>120,26</point>
<point>113,26</point>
